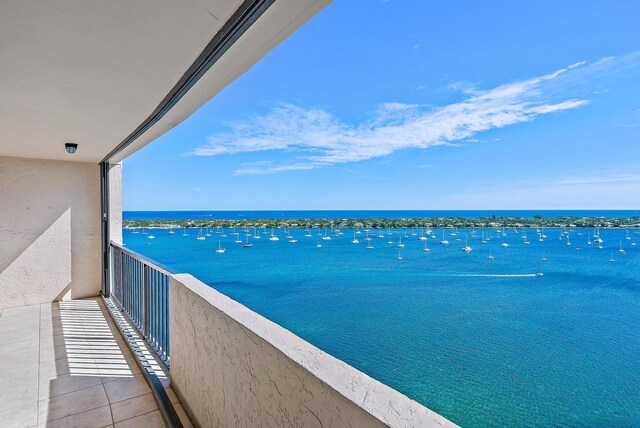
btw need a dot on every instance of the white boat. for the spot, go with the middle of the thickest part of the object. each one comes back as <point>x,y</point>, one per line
<point>273,236</point>
<point>247,244</point>
<point>200,236</point>
<point>399,254</point>
<point>444,241</point>
<point>466,247</point>
<point>207,233</point>
<point>220,250</point>
<point>426,249</point>
<point>539,273</point>
<point>628,238</point>
<point>151,237</point>
<point>544,259</point>
<point>504,244</point>
<point>400,244</point>
<point>621,249</point>
<point>490,256</point>
<point>184,232</point>
<point>611,259</point>
<point>355,240</point>
<point>326,237</point>
<point>318,245</point>
<point>171,232</point>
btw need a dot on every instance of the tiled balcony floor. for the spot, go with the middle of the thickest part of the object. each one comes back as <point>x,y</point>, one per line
<point>65,364</point>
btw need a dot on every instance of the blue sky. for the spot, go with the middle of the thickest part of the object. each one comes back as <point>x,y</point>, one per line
<point>418,105</point>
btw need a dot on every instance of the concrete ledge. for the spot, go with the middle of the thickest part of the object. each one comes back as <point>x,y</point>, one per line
<point>233,367</point>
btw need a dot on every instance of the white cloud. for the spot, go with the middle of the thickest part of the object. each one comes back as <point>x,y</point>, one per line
<point>314,138</point>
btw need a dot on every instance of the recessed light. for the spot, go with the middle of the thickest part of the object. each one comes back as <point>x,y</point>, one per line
<point>71,147</point>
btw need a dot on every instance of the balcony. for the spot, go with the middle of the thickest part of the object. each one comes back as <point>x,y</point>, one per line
<point>92,334</point>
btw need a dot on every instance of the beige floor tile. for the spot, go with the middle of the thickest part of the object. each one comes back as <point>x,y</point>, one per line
<point>16,392</point>
<point>126,388</point>
<point>96,418</point>
<point>70,404</point>
<point>133,407</point>
<point>22,416</point>
<point>64,384</point>
<point>149,420</point>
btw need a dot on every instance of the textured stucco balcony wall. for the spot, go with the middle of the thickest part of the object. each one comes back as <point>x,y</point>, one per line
<point>232,367</point>
<point>49,231</point>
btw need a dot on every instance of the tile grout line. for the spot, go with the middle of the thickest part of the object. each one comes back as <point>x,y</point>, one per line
<point>79,413</point>
<point>137,416</point>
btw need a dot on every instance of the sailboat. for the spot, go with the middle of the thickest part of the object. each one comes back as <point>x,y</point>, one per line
<point>490,256</point>
<point>369,246</point>
<point>247,244</point>
<point>539,273</point>
<point>444,241</point>
<point>291,238</point>
<point>207,233</point>
<point>568,244</point>
<point>399,254</point>
<point>326,237</point>
<point>273,237</point>
<point>544,259</point>
<point>200,236</point>
<point>588,239</point>
<point>256,235</point>
<point>222,233</point>
<point>466,247</point>
<point>171,232</point>
<point>220,250</point>
<point>355,240</point>
<point>308,234</point>
<point>621,249</point>
<point>628,238</point>
<point>611,259</point>
<point>184,231</point>
<point>426,249</point>
<point>400,244</point>
<point>318,245</point>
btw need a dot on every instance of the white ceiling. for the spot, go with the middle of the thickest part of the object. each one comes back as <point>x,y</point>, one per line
<point>91,72</point>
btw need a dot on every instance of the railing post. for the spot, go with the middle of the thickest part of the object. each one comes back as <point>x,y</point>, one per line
<point>145,300</point>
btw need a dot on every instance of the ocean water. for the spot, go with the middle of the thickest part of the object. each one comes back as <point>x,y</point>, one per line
<point>482,342</point>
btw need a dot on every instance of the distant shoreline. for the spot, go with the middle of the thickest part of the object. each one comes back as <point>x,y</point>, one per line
<point>394,223</point>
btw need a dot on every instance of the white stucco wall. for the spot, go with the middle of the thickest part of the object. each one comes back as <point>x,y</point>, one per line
<point>232,367</point>
<point>49,231</point>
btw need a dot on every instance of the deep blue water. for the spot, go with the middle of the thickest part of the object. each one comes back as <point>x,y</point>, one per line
<point>211,215</point>
<point>483,342</point>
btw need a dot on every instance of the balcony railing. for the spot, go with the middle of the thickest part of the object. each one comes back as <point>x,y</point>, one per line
<point>141,287</point>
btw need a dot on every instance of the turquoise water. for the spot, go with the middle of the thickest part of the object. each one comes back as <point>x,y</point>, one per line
<point>482,342</point>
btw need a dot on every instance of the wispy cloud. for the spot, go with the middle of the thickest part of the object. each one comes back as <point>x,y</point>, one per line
<point>577,181</point>
<point>314,138</point>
